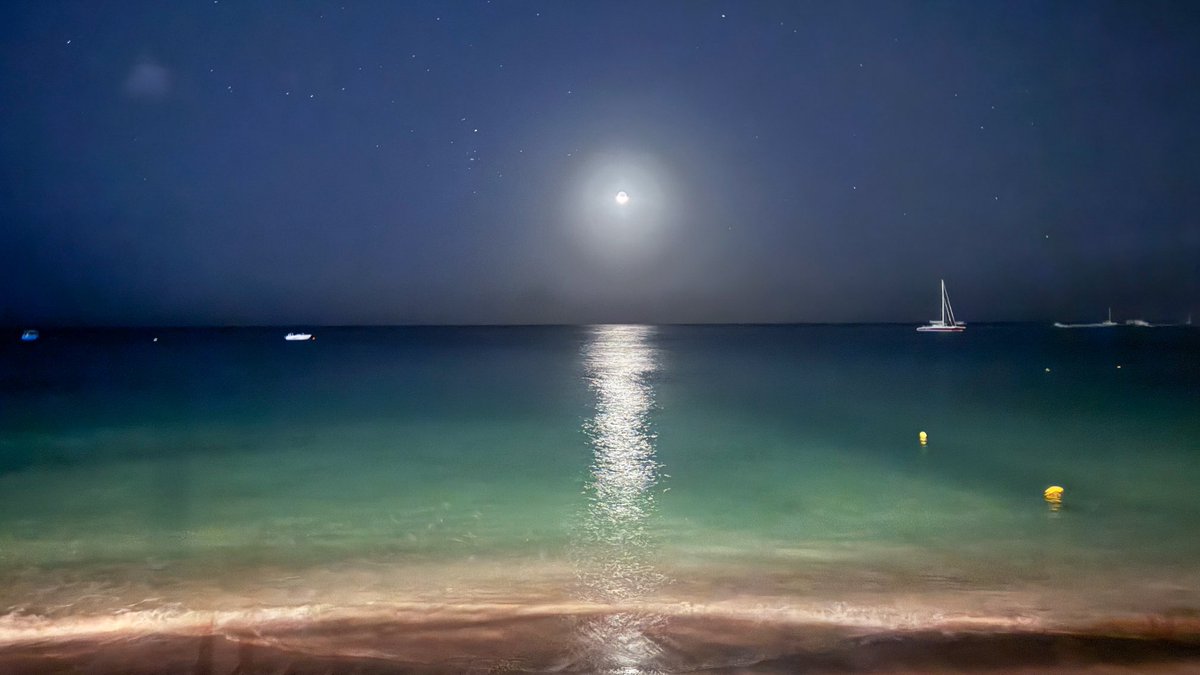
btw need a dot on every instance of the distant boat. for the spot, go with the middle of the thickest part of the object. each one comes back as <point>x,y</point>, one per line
<point>1109,323</point>
<point>946,324</point>
<point>29,336</point>
<point>295,337</point>
<point>1140,323</point>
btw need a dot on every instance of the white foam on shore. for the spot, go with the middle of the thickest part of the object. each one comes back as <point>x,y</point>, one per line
<point>345,608</point>
<point>18,628</point>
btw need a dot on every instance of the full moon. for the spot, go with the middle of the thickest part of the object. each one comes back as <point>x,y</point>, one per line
<point>622,198</point>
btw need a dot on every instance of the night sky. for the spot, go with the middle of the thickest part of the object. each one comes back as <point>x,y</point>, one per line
<point>199,163</point>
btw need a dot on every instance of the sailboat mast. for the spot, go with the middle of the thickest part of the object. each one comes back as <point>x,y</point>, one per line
<point>943,301</point>
<point>947,310</point>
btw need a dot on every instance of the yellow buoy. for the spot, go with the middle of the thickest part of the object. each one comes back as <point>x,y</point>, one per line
<point>924,437</point>
<point>1053,494</point>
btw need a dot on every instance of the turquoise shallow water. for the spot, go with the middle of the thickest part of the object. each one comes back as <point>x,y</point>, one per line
<point>776,466</point>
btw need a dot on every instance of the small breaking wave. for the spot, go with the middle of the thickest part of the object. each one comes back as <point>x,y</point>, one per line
<point>748,637</point>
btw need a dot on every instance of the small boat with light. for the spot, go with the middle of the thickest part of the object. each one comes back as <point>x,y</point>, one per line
<point>298,337</point>
<point>946,324</point>
<point>29,336</point>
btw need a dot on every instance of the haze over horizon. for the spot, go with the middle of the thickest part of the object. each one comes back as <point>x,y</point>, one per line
<point>272,163</point>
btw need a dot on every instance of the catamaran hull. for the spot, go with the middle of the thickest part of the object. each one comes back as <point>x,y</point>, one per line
<point>941,329</point>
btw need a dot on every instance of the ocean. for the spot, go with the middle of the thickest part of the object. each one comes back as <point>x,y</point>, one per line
<point>624,499</point>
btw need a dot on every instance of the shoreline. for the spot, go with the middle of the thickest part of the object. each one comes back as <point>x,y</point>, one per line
<point>585,637</point>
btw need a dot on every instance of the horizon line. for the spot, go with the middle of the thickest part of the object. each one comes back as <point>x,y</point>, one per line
<point>238,326</point>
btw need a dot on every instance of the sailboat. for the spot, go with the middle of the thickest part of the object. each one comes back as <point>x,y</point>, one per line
<point>1103,324</point>
<point>946,324</point>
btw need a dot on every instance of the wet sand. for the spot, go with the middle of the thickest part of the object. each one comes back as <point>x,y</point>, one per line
<point>576,638</point>
<point>490,616</point>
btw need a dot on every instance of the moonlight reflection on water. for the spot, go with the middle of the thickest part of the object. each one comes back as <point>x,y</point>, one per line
<point>615,544</point>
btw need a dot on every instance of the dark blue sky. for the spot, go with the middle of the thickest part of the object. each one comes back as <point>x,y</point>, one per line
<point>404,162</point>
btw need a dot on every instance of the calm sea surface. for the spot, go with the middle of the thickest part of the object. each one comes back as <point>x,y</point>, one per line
<point>743,471</point>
